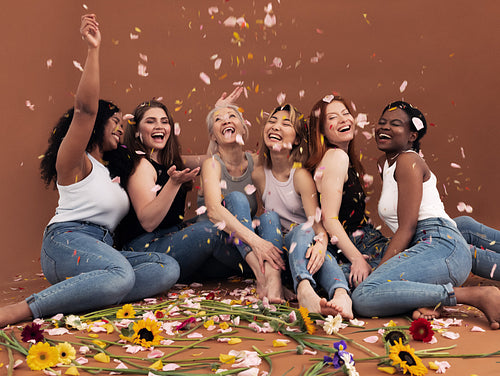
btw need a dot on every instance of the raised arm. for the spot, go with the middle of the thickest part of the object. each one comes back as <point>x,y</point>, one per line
<point>335,164</point>
<point>72,164</point>
<point>264,250</point>
<point>305,187</point>
<point>151,208</point>
<point>409,174</point>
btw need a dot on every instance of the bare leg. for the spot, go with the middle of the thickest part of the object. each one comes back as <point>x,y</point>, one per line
<point>14,313</point>
<point>268,284</point>
<point>484,298</point>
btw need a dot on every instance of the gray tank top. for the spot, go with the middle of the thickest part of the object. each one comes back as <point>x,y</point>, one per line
<point>234,183</point>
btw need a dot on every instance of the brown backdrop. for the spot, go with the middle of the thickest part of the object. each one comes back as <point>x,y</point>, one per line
<point>447,51</point>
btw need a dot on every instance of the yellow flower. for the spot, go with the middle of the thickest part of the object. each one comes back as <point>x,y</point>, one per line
<point>304,312</point>
<point>404,357</point>
<point>279,343</point>
<point>147,333</point>
<point>226,358</point>
<point>41,356</point>
<point>224,325</point>
<point>102,357</point>
<point>109,328</point>
<point>101,344</point>
<point>234,341</point>
<point>66,352</point>
<point>126,312</point>
<point>208,323</point>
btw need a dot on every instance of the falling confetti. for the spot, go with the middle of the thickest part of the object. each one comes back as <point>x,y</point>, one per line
<point>30,105</point>
<point>201,210</point>
<point>403,86</point>
<point>177,129</point>
<point>204,77</point>
<point>250,189</point>
<point>141,70</point>
<point>281,98</point>
<point>77,65</point>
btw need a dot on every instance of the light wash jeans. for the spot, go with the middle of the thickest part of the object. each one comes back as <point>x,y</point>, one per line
<point>484,246</point>
<point>191,246</point>
<point>87,273</point>
<point>422,276</point>
<point>329,276</point>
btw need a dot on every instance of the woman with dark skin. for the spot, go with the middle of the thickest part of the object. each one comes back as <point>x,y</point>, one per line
<point>427,259</point>
<point>77,256</point>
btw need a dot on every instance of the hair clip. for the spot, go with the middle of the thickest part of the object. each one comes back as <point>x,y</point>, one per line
<point>328,98</point>
<point>417,123</point>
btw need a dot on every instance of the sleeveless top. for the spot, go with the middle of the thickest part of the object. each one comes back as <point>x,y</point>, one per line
<point>283,199</point>
<point>130,227</point>
<point>234,183</point>
<point>352,209</point>
<point>430,207</point>
<point>95,199</point>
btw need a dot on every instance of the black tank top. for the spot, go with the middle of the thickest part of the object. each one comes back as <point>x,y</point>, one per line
<point>352,209</point>
<point>130,227</point>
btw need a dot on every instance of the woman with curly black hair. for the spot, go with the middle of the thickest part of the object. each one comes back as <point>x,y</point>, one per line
<point>77,256</point>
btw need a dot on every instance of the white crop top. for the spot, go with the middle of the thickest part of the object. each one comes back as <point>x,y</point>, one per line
<point>283,199</point>
<point>95,199</point>
<point>430,207</point>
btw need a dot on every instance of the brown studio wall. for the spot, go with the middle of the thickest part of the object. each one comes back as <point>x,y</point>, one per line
<point>447,52</point>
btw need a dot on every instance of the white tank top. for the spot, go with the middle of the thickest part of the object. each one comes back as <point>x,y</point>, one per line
<point>95,199</point>
<point>430,207</point>
<point>283,199</point>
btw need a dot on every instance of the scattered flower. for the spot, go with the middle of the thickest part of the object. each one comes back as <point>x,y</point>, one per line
<point>421,330</point>
<point>32,333</point>
<point>42,355</point>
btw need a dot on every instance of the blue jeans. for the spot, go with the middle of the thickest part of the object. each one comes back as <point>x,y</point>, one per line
<point>269,227</point>
<point>484,246</point>
<point>191,246</point>
<point>421,276</point>
<point>368,241</point>
<point>87,273</point>
<point>329,276</point>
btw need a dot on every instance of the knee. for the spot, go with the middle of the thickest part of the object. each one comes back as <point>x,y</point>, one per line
<point>237,200</point>
<point>271,217</point>
<point>117,286</point>
<point>170,271</point>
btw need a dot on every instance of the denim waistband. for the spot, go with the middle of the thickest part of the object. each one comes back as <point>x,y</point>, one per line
<point>104,229</point>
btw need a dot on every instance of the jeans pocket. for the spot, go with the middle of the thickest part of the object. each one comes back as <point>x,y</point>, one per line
<point>459,263</point>
<point>49,267</point>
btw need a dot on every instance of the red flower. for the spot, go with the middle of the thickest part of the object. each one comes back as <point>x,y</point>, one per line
<point>32,332</point>
<point>210,296</point>
<point>421,330</point>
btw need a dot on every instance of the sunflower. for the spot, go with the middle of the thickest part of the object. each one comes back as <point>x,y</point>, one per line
<point>404,357</point>
<point>309,326</point>
<point>126,312</point>
<point>421,330</point>
<point>41,356</point>
<point>147,333</point>
<point>66,352</point>
<point>31,333</point>
<point>392,337</point>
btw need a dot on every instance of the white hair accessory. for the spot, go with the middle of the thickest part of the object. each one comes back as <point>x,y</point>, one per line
<point>328,98</point>
<point>417,123</point>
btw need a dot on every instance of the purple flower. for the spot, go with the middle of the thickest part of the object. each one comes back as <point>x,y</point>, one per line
<point>32,332</point>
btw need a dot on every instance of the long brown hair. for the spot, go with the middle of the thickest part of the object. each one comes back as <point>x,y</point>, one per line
<point>300,151</point>
<point>318,143</point>
<point>169,155</point>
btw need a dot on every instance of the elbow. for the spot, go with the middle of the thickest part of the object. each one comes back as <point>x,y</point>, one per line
<point>147,225</point>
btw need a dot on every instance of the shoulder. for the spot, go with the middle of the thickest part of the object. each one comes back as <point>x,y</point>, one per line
<point>210,165</point>
<point>335,161</point>
<point>410,164</point>
<point>302,180</point>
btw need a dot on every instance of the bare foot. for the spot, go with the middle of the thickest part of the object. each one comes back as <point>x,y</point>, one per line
<point>273,284</point>
<point>485,298</point>
<point>427,313</point>
<point>342,303</point>
<point>308,298</point>
<point>14,313</point>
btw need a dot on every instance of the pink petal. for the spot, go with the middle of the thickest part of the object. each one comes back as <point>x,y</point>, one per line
<point>156,188</point>
<point>220,225</point>
<point>477,329</point>
<point>78,65</point>
<point>155,354</point>
<point>493,271</point>
<point>177,129</point>
<point>403,86</point>
<point>281,98</point>
<point>218,63</point>
<point>170,367</point>
<point>141,70</point>
<point>455,165</point>
<point>204,77</point>
<point>239,139</point>
<point>270,20</point>
<point>223,184</point>
<point>202,209</point>
<point>451,335</point>
<point>249,189</point>
<point>371,339</point>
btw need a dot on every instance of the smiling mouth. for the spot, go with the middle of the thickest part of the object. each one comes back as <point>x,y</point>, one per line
<point>383,136</point>
<point>228,131</point>
<point>274,137</point>
<point>347,128</point>
<point>158,136</point>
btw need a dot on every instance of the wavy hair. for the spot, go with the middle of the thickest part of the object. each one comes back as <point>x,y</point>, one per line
<point>319,144</point>
<point>48,164</point>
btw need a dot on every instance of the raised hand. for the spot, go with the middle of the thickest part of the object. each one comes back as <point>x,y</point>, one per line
<point>89,29</point>
<point>182,176</point>
<point>225,99</point>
